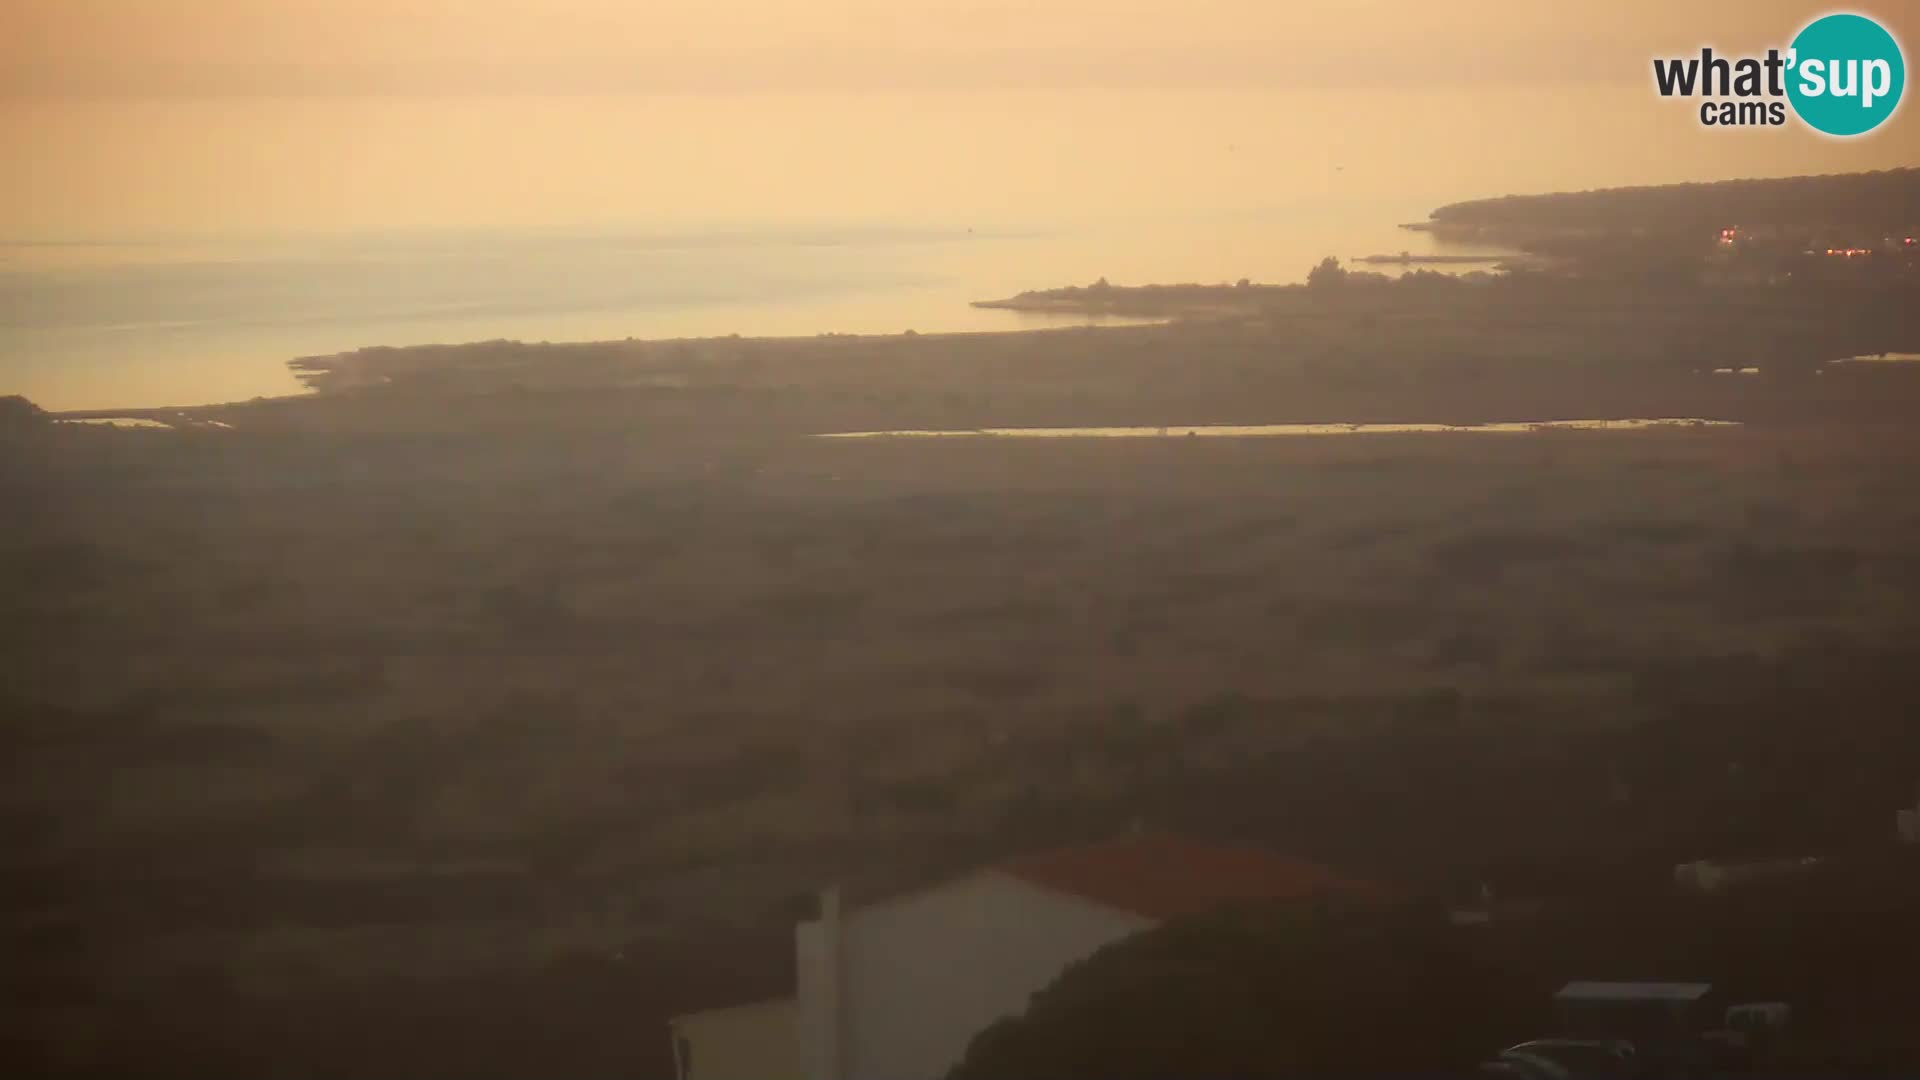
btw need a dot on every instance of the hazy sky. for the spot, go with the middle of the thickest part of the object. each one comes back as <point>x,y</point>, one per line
<point>255,46</point>
<point>150,144</point>
<point>124,117</point>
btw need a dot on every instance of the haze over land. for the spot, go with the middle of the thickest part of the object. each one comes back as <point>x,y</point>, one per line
<point>498,678</point>
<point>208,189</point>
<point>528,681</point>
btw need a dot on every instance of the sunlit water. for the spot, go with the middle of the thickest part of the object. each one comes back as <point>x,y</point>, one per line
<point>119,422</point>
<point>1882,358</point>
<point>1245,431</point>
<point>114,326</point>
<point>180,251</point>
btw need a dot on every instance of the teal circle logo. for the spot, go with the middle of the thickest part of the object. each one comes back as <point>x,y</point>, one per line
<point>1846,75</point>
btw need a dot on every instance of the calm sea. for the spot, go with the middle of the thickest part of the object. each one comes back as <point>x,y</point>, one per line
<point>179,252</point>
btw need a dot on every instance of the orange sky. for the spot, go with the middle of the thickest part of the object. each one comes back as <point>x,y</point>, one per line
<point>125,117</point>
<point>241,46</point>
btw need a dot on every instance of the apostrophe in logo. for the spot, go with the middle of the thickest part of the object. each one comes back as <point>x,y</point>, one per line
<point>1843,75</point>
<point>1846,75</point>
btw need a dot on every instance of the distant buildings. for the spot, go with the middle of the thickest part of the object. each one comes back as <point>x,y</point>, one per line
<point>1645,1012</point>
<point>1488,909</point>
<point>1763,252</point>
<point>896,988</point>
<point>1622,1029</point>
<point>1707,875</point>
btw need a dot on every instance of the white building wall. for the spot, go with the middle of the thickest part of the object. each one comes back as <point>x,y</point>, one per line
<point>747,1042</point>
<point>814,987</point>
<point>920,976</point>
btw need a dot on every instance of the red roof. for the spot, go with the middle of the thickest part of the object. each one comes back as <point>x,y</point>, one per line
<point>1162,876</point>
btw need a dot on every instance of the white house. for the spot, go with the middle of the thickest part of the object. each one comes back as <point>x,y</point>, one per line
<point>744,1042</point>
<point>896,989</point>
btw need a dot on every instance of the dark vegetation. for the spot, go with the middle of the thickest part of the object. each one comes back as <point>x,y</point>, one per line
<point>1280,991</point>
<point>1613,315</point>
<point>1673,234</point>
<point>1871,200</point>
<point>19,416</point>
<point>446,722</point>
<point>1294,990</point>
<point>333,734</point>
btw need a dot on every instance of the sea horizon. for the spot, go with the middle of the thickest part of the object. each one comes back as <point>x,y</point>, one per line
<point>191,248</point>
<point>156,321</point>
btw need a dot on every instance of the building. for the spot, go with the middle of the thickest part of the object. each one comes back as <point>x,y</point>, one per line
<point>1708,876</point>
<point>896,989</point>
<point>744,1042</point>
<point>1490,910</point>
<point>1648,1013</point>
